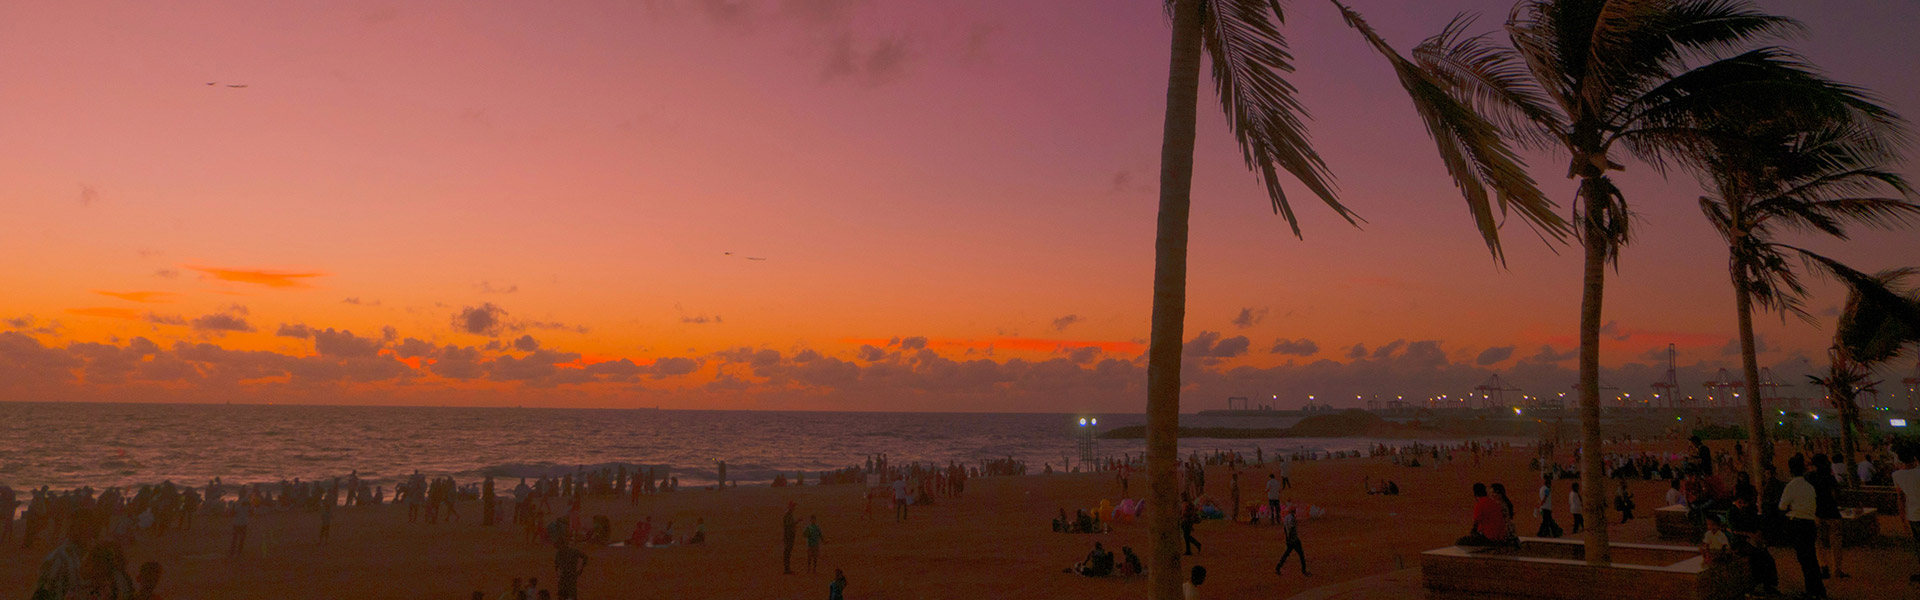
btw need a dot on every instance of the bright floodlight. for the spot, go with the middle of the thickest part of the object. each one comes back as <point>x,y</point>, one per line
<point>1094,421</point>
<point>1897,422</point>
<point>1083,422</point>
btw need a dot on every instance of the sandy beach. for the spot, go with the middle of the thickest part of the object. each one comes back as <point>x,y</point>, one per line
<point>993,543</point>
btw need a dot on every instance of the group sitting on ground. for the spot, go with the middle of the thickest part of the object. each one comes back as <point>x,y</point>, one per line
<point>1386,487</point>
<point>1492,520</point>
<point>1101,563</point>
<point>1082,522</point>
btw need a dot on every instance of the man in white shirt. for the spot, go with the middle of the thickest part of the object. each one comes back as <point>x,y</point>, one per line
<point>1908,481</point>
<point>1797,502</point>
<point>900,499</point>
<point>1548,528</point>
<point>1273,499</point>
<point>1865,469</point>
<point>1573,509</point>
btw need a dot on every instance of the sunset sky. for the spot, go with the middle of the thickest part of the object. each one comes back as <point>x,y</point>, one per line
<point>517,203</point>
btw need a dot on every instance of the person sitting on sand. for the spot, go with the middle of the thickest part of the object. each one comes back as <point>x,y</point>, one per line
<point>699,532</point>
<point>1130,563</point>
<point>1099,563</point>
<point>664,537</point>
<point>1489,521</point>
<point>1082,522</point>
<point>1060,523</point>
<point>641,531</point>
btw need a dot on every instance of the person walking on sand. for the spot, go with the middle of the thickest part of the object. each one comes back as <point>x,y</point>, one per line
<point>1291,523</point>
<point>1233,493</point>
<point>1189,516</point>
<point>787,525</point>
<point>1548,527</point>
<point>326,520</point>
<point>569,561</point>
<point>1286,473</point>
<point>814,539</point>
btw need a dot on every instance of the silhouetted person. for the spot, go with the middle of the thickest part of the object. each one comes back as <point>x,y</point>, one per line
<point>787,525</point>
<point>1797,501</point>
<point>814,539</point>
<point>569,561</point>
<point>488,503</point>
<point>838,589</point>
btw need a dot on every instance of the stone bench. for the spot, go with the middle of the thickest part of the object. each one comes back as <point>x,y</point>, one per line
<point>1673,523</point>
<point>1554,569</point>
<point>1883,497</point>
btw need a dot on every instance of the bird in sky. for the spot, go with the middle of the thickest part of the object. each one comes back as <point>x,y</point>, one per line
<point>236,85</point>
<point>745,257</point>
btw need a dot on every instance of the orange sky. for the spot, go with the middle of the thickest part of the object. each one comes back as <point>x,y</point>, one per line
<point>954,203</point>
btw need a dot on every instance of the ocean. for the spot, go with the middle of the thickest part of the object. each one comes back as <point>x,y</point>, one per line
<point>66,445</point>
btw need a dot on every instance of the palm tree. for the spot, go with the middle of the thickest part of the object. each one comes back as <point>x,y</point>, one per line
<point>1648,76</point>
<point>1781,175</point>
<point>1241,40</point>
<point>1879,322</point>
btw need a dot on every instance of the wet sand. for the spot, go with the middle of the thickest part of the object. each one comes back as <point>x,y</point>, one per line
<point>994,543</point>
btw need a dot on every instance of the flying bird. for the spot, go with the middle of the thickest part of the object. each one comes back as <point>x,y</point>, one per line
<point>745,257</point>
<point>236,85</point>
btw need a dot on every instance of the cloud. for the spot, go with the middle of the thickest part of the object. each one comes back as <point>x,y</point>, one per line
<point>29,324</point>
<point>870,354</point>
<point>356,301</point>
<point>1249,317</point>
<point>1493,355</point>
<point>167,273</point>
<point>1612,330</point>
<point>673,365</point>
<point>1209,345</point>
<point>526,343</point>
<point>344,344</point>
<point>233,320</point>
<point>488,288</point>
<point>1299,347</point>
<point>700,320</point>
<point>867,63</point>
<point>294,330</point>
<point>913,343</point>
<point>1548,355</point>
<point>1357,351</point>
<point>1083,354</point>
<point>160,319</point>
<point>88,195</point>
<point>1732,348</point>
<point>149,297</point>
<point>110,312</point>
<point>485,319</point>
<point>550,325</point>
<point>271,279</point>
<point>1062,323</point>
<point>1388,350</point>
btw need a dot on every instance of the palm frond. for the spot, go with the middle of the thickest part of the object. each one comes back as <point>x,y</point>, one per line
<point>1759,85</point>
<point>1492,81</point>
<point>1249,55</point>
<point>1880,319</point>
<point>1489,174</point>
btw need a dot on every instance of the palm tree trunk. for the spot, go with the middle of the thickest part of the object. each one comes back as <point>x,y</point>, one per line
<point>1759,444</point>
<point>1170,307</point>
<point>1592,479</point>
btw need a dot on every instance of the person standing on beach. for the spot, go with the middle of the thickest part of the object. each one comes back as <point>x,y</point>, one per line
<point>241,514</point>
<point>814,539</point>
<point>488,503</point>
<point>1797,501</point>
<point>326,520</point>
<point>787,525</point>
<point>1573,509</point>
<point>1233,492</point>
<point>720,472</point>
<point>569,561</point>
<point>1286,473</point>
<point>900,499</point>
<point>11,504</point>
<point>1273,499</point>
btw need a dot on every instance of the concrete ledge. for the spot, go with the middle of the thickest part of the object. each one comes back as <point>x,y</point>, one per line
<point>1551,569</point>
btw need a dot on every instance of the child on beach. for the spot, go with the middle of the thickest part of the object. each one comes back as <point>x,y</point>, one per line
<point>814,539</point>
